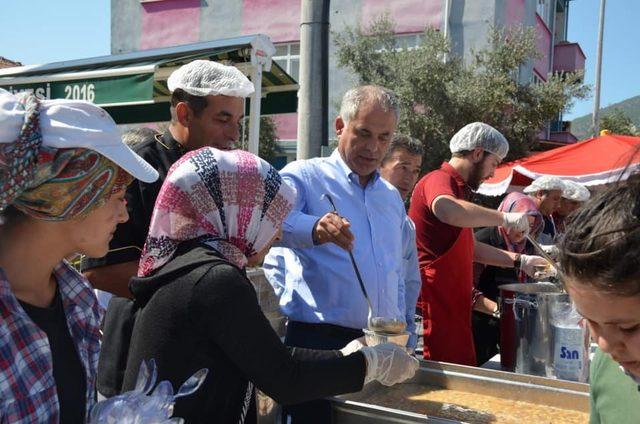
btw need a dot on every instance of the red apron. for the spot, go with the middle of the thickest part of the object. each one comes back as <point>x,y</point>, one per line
<point>447,285</point>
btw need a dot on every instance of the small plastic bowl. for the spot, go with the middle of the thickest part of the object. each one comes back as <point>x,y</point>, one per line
<point>387,325</point>
<point>374,338</point>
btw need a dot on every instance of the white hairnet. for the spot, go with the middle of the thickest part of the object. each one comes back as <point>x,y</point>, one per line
<point>207,78</point>
<point>546,182</point>
<point>575,191</point>
<point>479,134</point>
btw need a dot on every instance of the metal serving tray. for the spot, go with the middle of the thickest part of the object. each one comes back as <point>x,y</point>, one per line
<point>568,395</point>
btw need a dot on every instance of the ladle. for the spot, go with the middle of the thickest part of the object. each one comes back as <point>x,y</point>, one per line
<point>377,324</point>
<point>545,255</point>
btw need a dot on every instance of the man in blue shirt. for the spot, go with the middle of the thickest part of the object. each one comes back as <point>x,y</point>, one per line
<point>401,167</point>
<point>312,274</point>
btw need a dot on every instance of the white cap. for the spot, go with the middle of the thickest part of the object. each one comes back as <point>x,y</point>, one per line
<point>67,124</point>
<point>546,182</point>
<point>479,134</point>
<point>575,191</point>
<point>207,78</point>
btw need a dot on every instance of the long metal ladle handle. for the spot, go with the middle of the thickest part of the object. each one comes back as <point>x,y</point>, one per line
<point>544,254</point>
<point>353,261</point>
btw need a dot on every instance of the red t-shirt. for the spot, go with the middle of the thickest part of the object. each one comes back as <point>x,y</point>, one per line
<point>434,237</point>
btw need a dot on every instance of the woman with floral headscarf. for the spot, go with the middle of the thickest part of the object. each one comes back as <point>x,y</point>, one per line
<point>63,174</point>
<point>488,278</point>
<point>217,212</point>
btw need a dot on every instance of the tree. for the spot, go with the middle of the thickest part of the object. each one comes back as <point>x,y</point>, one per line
<point>438,97</point>
<point>268,137</point>
<point>618,122</point>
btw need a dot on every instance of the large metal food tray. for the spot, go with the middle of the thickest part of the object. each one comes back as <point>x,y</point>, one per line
<point>354,408</point>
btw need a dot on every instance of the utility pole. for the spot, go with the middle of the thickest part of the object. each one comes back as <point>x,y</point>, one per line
<point>313,96</point>
<point>445,29</point>
<point>596,100</point>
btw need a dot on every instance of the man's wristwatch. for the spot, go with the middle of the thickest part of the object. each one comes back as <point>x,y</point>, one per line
<point>496,313</point>
<point>516,261</point>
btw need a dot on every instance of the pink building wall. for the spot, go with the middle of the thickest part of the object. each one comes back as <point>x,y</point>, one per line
<point>287,125</point>
<point>568,57</point>
<point>515,13</point>
<point>408,15</point>
<point>541,65</point>
<point>279,19</point>
<point>170,23</point>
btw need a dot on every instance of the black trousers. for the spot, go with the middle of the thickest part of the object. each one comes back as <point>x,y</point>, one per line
<point>486,336</point>
<point>322,337</point>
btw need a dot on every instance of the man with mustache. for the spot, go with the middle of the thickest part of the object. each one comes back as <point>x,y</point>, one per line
<point>311,271</point>
<point>207,106</point>
<point>401,167</point>
<point>444,220</point>
<point>547,192</point>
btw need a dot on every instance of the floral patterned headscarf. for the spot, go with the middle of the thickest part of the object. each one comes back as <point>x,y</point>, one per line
<point>518,202</point>
<point>53,184</point>
<point>232,201</point>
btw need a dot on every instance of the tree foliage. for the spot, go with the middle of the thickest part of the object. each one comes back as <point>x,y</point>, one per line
<point>268,137</point>
<point>618,122</point>
<point>440,96</point>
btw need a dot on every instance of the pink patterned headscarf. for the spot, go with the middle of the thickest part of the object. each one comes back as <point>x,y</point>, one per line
<point>232,201</point>
<point>518,202</point>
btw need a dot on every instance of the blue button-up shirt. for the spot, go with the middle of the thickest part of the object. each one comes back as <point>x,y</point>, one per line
<point>317,283</point>
<point>412,281</point>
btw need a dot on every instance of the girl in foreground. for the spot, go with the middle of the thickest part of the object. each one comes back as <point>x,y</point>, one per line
<point>600,256</point>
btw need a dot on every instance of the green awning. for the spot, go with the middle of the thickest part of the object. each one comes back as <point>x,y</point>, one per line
<point>133,86</point>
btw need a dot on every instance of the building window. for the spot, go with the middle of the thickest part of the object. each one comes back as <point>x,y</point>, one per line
<point>288,57</point>
<point>542,8</point>
<point>406,42</point>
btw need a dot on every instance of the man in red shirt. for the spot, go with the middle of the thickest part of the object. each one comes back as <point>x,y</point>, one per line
<point>444,221</point>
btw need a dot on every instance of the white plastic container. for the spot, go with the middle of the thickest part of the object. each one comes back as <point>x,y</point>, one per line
<point>570,355</point>
<point>570,344</point>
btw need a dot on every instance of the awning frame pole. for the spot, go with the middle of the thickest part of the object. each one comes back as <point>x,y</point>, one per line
<point>254,110</point>
<point>261,53</point>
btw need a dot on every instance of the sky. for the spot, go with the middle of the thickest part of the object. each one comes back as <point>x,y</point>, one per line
<point>77,29</point>
<point>44,31</point>
<point>620,52</point>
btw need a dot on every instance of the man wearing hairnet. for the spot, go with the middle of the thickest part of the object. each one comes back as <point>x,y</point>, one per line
<point>444,220</point>
<point>573,196</point>
<point>207,105</point>
<point>546,191</point>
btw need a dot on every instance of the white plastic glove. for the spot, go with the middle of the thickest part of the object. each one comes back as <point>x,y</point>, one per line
<point>551,250</point>
<point>529,263</point>
<point>389,364</point>
<point>516,220</point>
<point>353,346</point>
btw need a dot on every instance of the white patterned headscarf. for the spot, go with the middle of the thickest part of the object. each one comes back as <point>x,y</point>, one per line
<point>232,201</point>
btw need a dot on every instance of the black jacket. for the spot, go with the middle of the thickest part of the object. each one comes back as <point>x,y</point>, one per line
<point>215,322</point>
<point>161,152</point>
<point>494,276</point>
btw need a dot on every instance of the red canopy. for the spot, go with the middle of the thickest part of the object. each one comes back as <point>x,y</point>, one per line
<point>595,161</point>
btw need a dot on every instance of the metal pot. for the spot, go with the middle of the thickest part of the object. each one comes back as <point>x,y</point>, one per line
<point>526,335</point>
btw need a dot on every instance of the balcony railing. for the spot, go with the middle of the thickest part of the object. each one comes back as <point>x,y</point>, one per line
<point>563,137</point>
<point>561,132</point>
<point>568,57</point>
